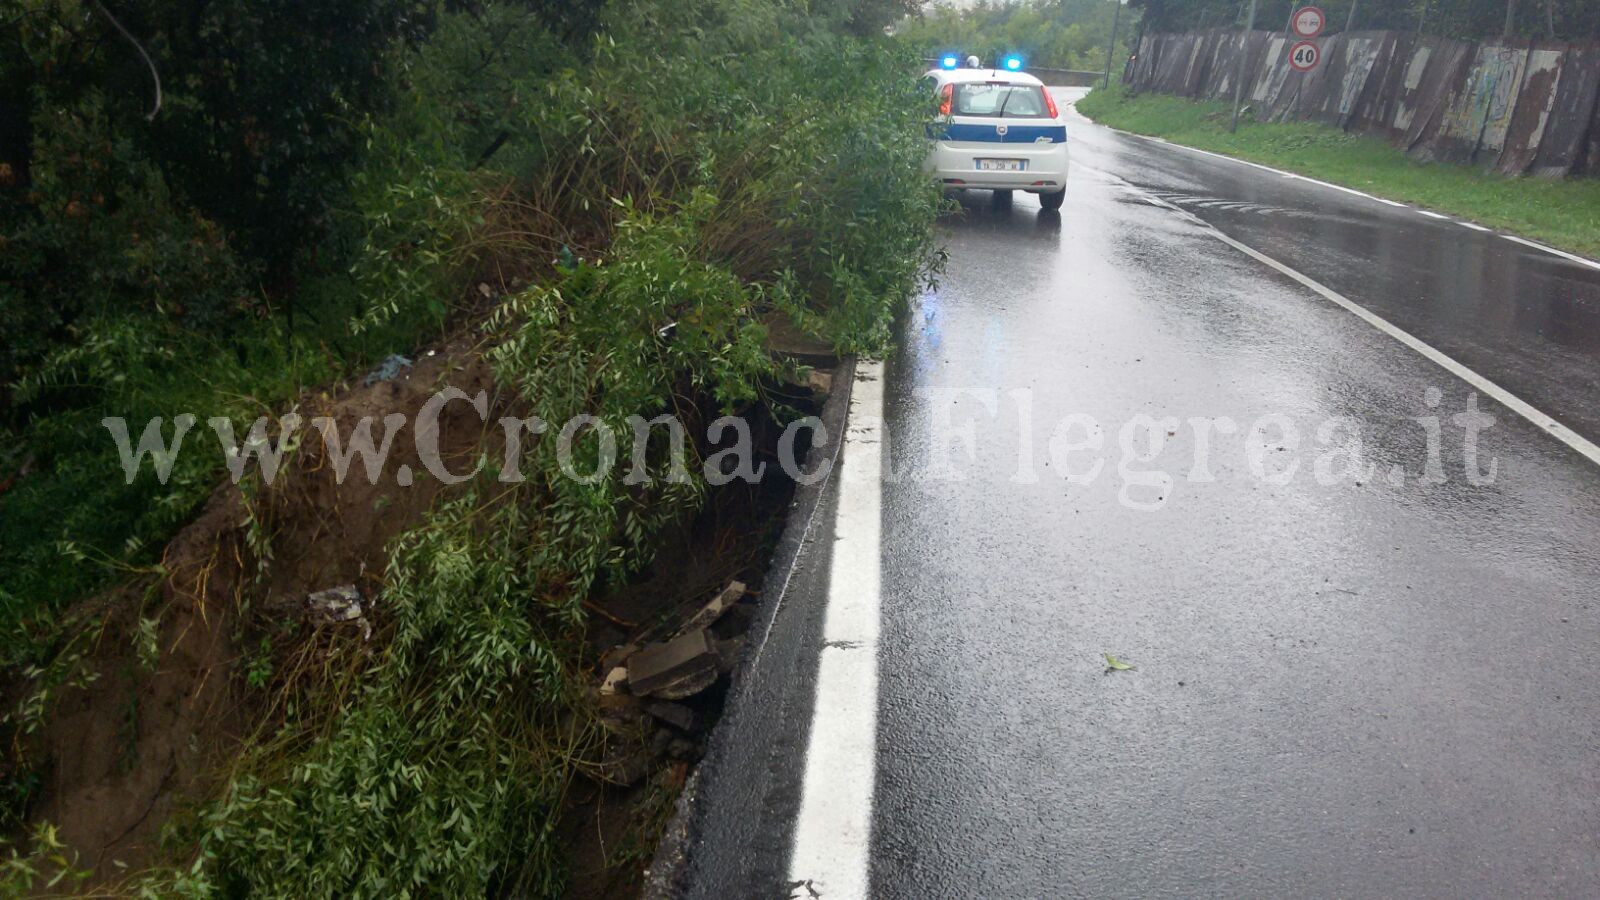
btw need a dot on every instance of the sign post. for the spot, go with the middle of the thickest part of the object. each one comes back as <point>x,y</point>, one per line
<point>1238,72</point>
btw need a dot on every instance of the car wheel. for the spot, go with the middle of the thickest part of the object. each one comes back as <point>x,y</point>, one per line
<point>1053,201</point>
<point>1002,198</point>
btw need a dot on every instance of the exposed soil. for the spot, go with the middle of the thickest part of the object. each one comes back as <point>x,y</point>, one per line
<point>135,746</point>
<point>127,756</point>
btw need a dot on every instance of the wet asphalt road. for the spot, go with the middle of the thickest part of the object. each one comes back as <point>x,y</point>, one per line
<point>1346,684</point>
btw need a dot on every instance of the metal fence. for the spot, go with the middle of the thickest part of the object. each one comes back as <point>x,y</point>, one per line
<point>1514,107</point>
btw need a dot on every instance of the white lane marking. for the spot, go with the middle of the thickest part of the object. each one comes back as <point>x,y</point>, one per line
<point>1340,187</point>
<point>1224,158</point>
<point>1504,397</point>
<point>1429,213</point>
<point>1387,202</point>
<point>1255,165</point>
<point>832,834</point>
<point>1561,253</point>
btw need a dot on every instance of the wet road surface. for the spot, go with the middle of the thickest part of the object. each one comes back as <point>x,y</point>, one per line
<point>1366,661</point>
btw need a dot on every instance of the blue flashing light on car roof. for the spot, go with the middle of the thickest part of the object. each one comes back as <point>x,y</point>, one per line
<point>1013,63</point>
<point>950,61</point>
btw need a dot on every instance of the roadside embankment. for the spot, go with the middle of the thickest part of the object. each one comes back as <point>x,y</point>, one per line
<point>585,277</point>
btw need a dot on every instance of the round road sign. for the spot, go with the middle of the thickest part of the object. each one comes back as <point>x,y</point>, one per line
<point>1308,21</point>
<point>1303,56</point>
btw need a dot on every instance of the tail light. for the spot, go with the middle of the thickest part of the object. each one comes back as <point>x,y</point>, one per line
<point>1050,104</point>
<point>947,95</point>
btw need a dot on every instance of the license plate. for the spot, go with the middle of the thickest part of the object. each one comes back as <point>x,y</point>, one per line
<point>1001,165</point>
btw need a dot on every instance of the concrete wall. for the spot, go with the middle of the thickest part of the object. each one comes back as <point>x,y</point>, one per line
<point>1512,107</point>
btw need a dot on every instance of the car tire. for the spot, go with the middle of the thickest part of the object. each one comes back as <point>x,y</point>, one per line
<point>1053,200</point>
<point>1002,198</point>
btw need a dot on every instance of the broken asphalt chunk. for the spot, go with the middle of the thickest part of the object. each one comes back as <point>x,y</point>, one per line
<point>675,714</point>
<point>713,610</point>
<point>679,668</point>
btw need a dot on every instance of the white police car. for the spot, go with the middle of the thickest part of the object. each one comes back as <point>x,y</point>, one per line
<point>998,129</point>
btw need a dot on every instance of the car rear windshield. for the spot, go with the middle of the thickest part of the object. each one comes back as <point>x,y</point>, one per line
<point>1010,101</point>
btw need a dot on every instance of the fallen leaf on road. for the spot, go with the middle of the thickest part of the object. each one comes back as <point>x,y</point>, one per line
<point>1113,663</point>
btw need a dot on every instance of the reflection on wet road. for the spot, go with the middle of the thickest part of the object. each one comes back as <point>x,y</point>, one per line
<point>1279,479</point>
<point>1362,618</point>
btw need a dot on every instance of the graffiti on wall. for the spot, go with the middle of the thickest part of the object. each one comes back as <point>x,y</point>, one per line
<point>1479,115</point>
<point>1441,99</point>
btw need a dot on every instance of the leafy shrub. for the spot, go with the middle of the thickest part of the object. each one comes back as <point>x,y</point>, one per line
<point>810,144</point>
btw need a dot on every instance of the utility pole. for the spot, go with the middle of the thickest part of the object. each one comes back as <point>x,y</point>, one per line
<point>1511,16</point>
<point>1111,47</point>
<point>1238,72</point>
<point>1351,21</point>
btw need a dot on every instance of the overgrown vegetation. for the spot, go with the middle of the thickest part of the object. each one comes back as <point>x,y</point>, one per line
<point>1563,213</point>
<point>186,256</point>
<point>1063,34</point>
<point>619,197</point>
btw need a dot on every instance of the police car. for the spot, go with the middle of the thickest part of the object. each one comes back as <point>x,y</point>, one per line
<point>997,128</point>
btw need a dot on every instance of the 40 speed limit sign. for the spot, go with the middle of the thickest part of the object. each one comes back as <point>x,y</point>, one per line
<point>1303,56</point>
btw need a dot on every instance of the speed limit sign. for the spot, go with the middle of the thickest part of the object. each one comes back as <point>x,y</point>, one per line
<point>1308,21</point>
<point>1303,56</point>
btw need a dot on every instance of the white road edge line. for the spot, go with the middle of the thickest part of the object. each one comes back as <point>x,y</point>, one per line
<point>1340,187</point>
<point>1504,397</point>
<point>1473,225</point>
<point>1427,212</point>
<point>1245,162</point>
<point>832,833</point>
<point>1561,253</point>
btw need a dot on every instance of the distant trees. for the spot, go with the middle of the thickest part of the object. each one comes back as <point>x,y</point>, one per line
<point>1067,34</point>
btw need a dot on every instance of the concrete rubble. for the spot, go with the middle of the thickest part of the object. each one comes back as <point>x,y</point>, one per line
<point>712,611</point>
<point>338,605</point>
<point>679,668</point>
<point>643,682</point>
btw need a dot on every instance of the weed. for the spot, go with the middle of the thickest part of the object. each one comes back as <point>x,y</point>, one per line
<point>258,666</point>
